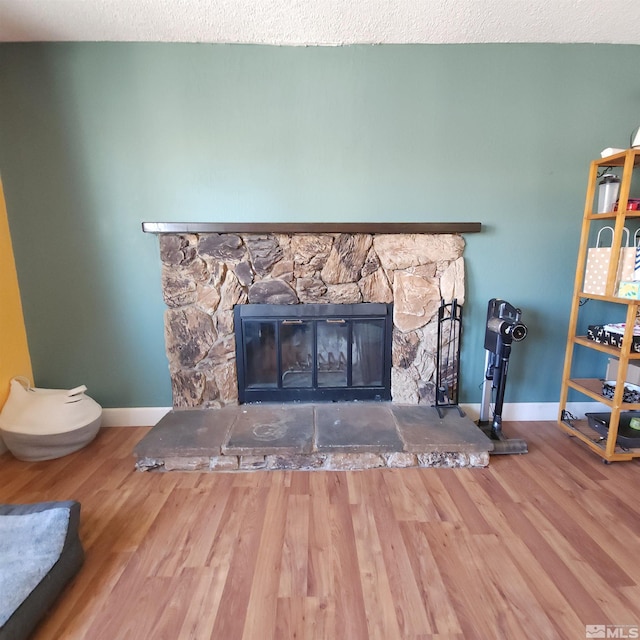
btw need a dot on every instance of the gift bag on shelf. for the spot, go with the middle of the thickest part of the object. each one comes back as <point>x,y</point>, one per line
<point>598,258</point>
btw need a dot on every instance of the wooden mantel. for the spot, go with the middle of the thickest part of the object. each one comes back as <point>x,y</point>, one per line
<point>311,227</point>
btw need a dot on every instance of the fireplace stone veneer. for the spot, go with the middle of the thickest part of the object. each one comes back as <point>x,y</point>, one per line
<point>204,275</point>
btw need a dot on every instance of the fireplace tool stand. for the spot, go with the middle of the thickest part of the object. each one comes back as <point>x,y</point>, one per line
<point>503,328</point>
<point>448,357</point>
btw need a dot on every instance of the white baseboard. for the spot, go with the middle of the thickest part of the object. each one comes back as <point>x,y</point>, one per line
<point>530,411</point>
<point>133,417</point>
<point>523,411</point>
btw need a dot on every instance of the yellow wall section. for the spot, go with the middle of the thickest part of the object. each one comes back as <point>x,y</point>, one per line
<point>14,351</point>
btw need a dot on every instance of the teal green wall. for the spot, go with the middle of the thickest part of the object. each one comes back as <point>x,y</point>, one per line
<point>96,138</point>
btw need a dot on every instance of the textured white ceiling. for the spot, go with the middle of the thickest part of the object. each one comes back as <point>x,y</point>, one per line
<point>301,22</point>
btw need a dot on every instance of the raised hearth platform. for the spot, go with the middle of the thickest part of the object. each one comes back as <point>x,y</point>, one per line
<point>329,436</point>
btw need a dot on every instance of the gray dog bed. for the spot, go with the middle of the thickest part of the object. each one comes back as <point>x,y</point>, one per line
<point>40,551</point>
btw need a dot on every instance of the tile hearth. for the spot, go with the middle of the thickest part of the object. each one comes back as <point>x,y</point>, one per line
<point>329,436</point>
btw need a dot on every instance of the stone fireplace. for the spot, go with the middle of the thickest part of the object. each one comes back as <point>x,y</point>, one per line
<point>208,270</point>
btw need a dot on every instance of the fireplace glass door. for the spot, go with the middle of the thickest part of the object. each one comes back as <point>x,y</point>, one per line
<point>313,352</point>
<point>296,346</point>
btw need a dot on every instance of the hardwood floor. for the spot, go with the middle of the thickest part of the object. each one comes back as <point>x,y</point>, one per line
<point>534,546</point>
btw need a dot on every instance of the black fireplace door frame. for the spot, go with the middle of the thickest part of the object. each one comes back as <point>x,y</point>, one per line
<point>311,317</point>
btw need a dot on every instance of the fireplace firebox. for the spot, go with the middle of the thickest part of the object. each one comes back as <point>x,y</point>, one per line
<point>313,352</point>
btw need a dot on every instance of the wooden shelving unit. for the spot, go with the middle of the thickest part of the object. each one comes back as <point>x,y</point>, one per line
<point>605,446</point>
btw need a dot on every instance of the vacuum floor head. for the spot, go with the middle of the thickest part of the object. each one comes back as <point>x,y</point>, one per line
<point>503,445</point>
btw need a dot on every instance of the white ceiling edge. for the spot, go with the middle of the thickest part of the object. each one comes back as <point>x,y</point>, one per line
<point>322,22</point>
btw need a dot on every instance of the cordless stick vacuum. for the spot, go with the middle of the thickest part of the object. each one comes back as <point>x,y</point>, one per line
<point>503,328</point>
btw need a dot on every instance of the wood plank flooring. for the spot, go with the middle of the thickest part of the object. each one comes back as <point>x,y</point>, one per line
<point>534,546</point>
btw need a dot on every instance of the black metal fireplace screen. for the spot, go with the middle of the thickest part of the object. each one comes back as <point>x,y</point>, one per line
<point>313,352</point>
